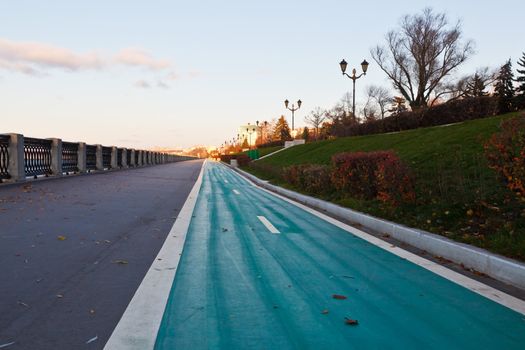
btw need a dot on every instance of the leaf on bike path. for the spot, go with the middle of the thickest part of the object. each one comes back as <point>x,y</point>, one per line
<point>338,297</point>
<point>61,238</point>
<point>92,339</point>
<point>120,262</point>
<point>351,322</point>
<point>325,312</point>
<point>22,303</point>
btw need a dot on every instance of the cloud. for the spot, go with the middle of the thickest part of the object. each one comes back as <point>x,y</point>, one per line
<point>143,84</point>
<point>138,57</point>
<point>162,85</point>
<point>33,58</point>
<point>24,56</point>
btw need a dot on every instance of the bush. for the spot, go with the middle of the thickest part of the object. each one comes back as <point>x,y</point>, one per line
<point>242,159</point>
<point>294,175</point>
<point>505,152</point>
<point>373,175</point>
<point>313,178</point>
<point>317,179</point>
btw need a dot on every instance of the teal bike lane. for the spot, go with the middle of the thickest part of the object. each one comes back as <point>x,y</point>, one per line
<point>240,286</point>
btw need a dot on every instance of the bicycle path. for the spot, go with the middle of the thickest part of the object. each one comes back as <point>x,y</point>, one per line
<point>258,272</point>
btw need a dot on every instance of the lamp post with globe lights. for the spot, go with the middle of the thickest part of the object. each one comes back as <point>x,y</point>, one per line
<point>293,109</point>
<point>364,66</point>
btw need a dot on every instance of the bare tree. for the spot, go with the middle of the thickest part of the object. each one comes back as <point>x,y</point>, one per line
<point>316,118</point>
<point>421,55</point>
<point>380,97</point>
<point>467,86</point>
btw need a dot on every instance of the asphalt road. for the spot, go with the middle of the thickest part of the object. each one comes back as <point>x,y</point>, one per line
<point>260,273</point>
<point>74,250</point>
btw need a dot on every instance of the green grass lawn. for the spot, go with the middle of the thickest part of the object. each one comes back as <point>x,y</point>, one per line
<point>458,195</point>
<point>267,150</point>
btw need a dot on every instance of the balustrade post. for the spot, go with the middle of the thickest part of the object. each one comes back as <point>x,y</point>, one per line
<point>81,157</point>
<point>16,167</point>
<point>56,157</point>
<point>148,157</point>
<point>124,159</point>
<point>114,157</point>
<point>100,161</point>
<point>132,160</point>
<point>139,158</point>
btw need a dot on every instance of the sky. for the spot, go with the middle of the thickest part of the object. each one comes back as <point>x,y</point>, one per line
<point>145,74</point>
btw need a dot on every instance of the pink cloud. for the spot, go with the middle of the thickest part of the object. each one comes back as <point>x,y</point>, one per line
<point>22,56</point>
<point>31,58</point>
<point>138,57</point>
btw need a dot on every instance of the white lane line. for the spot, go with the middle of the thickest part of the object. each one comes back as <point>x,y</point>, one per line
<point>480,288</point>
<point>236,192</point>
<point>268,224</point>
<point>138,327</point>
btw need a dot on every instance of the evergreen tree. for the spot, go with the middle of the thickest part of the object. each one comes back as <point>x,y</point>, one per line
<point>306,134</point>
<point>504,88</point>
<point>281,130</point>
<point>476,87</point>
<point>521,76</point>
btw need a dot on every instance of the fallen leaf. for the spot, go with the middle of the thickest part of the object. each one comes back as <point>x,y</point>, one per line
<point>92,339</point>
<point>121,262</point>
<point>224,229</point>
<point>92,311</point>
<point>60,296</point>
<point>351,322</point>
<point>22,303</point>
<point>338,297</point>
<point>61,238</point>
<point>325,312</point>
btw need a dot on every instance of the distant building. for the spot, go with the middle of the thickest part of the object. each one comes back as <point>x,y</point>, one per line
<point>250,133</point>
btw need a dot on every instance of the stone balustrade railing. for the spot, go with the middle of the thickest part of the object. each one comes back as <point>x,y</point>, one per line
<point>23,158</point>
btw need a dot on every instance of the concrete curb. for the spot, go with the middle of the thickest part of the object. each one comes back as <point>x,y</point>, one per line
<point>493,265</point>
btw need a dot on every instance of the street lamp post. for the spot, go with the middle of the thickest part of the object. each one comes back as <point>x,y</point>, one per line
<point>364,66</point>
<point>293,109</point>
<point>249,132</point>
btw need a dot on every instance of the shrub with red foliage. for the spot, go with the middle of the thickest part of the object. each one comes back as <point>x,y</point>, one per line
<point>242,159</point>
<point>312,178</point>
<point>373,175</point>
<point>505,152</point>
<point>294,175</point>
<point>317,179</point>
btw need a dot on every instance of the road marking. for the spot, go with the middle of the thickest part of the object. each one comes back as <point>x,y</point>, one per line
<point>236,192</point>
<point>268,224</point>
<point>480,288</point>
<point>138,327</point>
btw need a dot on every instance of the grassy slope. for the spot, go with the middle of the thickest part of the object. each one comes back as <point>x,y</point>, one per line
<point>458,195</point>
<point>267,150</point>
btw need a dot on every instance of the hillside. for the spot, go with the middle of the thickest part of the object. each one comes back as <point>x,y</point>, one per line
<point>458,195</point>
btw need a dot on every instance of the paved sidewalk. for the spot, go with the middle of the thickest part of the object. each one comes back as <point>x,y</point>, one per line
<point>74,250</point>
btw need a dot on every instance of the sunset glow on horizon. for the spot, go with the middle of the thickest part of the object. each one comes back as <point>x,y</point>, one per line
<point>177,74</point>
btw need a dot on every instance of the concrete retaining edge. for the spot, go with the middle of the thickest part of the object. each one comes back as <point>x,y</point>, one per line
<point>496,266</point>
